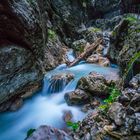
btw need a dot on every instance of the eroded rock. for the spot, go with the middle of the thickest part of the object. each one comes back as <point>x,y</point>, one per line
<point>49,133</point>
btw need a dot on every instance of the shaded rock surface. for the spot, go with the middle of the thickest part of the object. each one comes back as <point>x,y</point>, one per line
<point>18,73</point>
<point>77,97</point>
<point>125,43</point>
<point>49,133</point>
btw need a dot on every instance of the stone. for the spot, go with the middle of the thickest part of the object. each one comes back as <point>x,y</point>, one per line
<point>117,113</point>
<point>67,116</point>
<point>66,76</point>
<point>77,97</point>
<point>94,83</point>
<point>135,82</point>
<point>49,133</point>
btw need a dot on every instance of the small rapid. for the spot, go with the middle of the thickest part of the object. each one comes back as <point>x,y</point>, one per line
<point>48,106</point>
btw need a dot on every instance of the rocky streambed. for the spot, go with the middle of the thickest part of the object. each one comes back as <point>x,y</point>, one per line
<point>36,37</point>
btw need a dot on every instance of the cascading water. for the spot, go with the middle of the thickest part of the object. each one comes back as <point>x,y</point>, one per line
<point>46,107</point>
<point>106,38</point>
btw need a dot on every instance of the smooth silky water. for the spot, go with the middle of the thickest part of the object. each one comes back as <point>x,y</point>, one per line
<point>45,107</point>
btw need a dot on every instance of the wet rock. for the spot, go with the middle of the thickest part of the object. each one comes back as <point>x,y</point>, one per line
<point>67,116</point>
<point>18,73</point>
<point>16,104</point>
<point>77,97</point>
<point>49,133</point>
<point>117,113</point>
<point>94,83</point>
<point>98,59</point>
<point>66,76</point>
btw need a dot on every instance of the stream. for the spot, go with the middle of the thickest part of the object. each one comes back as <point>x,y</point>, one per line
<point>48,106</point>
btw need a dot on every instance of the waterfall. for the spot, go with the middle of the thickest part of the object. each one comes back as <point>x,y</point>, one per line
<point>106,39</point>
<point>48,109</point>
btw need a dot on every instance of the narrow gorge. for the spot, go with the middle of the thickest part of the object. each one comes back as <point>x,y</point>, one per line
<point>70,69</point>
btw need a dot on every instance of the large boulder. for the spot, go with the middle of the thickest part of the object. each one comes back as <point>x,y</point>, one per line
<point>18,74</point>
<point>49,133</point>
<point>94,83</point>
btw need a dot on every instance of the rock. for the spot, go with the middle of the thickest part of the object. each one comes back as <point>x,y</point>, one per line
<point>94,83</point>
<point>16,105</point>
<point>135,82</point>
<point>49,133</point>
<point>135,102</point>
<point>66,76</point>
<point>98,59</point>
<point>77,97</point>
<point>117,113</point>
<point>18,74</point>
<point>124,36</point>
<point>67,116</point>
<point>132,123</point>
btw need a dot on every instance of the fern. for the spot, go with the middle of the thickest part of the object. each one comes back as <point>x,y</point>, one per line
<point>135,57</point>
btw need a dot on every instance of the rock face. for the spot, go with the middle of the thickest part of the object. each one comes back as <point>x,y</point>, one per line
<point>125,40</point>
<point>24,53</point>
<point>18,73</point>
<point>49,133</point>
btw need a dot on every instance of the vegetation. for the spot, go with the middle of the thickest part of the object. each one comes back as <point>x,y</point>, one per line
<point>135,57</point>
<point>114,94</point>
<point>131,18</point>
<point>73,125</point>
<point>29,133</point>
<point>51,34</point>
<point>93,29</point>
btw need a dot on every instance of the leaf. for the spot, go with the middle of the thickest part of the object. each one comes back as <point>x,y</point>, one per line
<point>29,133</point>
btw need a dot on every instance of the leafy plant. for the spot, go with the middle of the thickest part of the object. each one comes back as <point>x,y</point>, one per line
<point>29,133</point>
<point>131,18</point>
<point>73,125</point>
<point>135,57</point>
<point>114,94</point>
<point>51,34</point>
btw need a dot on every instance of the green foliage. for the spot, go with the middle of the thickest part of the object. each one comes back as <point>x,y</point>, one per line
<point>135,57</point>
<point>73,125</point>
<point>114,94</point>
<point>51,34</point>
<point>92,29</point>
<point>29,133</point>
<point>131,19</point>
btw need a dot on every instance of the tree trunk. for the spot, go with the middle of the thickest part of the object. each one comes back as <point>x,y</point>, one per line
<point>87,53</point>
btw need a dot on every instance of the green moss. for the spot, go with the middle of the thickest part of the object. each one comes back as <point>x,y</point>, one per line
<point>51,34</point>
<point>93,29</point>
